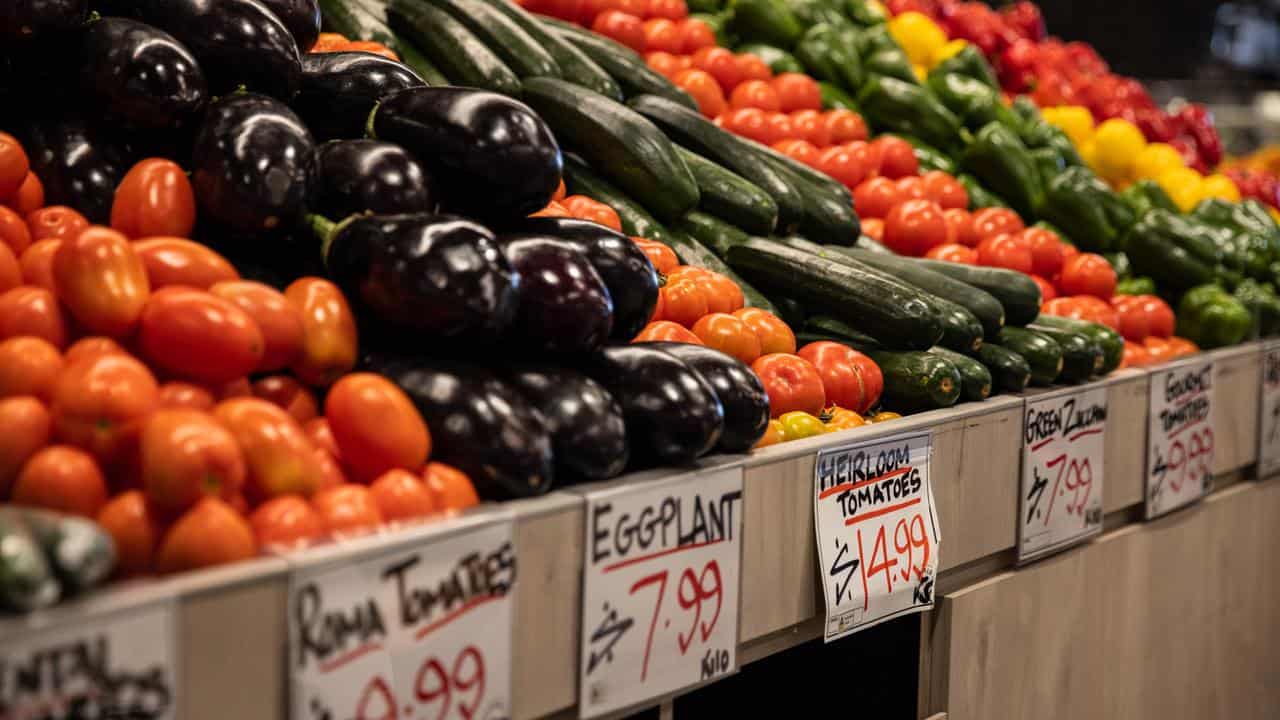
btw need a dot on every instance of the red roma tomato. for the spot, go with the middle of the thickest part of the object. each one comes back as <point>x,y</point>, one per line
<point>63,479</point>
<point>376,426</point>
<point>402,495</point>
<point>187,455</point>
<point>663,35</point>
<point>175,261</point>
<point>755,94</point>
<point>696,35</point>
<point>667,331</point>
<point>1060,306</point>
<point>720,63</point>
<point>775,335</point>
<point>750,123</point>
<point>199,336</point>
<point>1088,307</point>
<point>99,405</point>
<point>1160,316</point>
<point>751,67</point>
<point>347,510</point>
<point>663,63</point>
<point>670,9</point>
<point>178,394</point>
<point>912,188</point>
<point>791,382</point>
<point>211,533</point>
<point>1159,350</point>
<point>328,331</point>
<point>56,221</point>
<point>26,426</point>
<point>868,156</point>
<point>28,310</point>
<point>1003,251</point>
<point>275,317</point>
<point>663,258</point>
<point>838,162</point>
<point>10,270</point>
<point>874,198</point>
<point>133,529</point>
<point>873,228</point>
<point>1135,324</point>
<point>1068,251</point>
<point>729,335</point>
<point>92,346</point>
<point>286,521</point>
<point>13,165</point>
<point>704,90</point>
<point>30,197</point>
<point>1088,274</point>
<point>777,126</point>
<point>914,227</point>
<point>621,27</point>
<point>101,281</point>
<point>1182,346</point>
<point>13,231</point>
<point>723,294</point>
<point>287,394</point>
<point>897,157</point>
<point>684,302</point>
<point>1046,251</point>
<point>801,151</point>
<point>844,126</point>
<point>321,435</point>
<point>1047,291</point>
<point>278,456</point>
<point>28,366</point>
<point>797,92</point>
<point>953,252</point>
<point>37,263</point>
<point>945,190</point>
<point>850,379</point>
<point>960,225</point>
<point>155,198</point>
<point>1135,355</point>
<point>989,222</point>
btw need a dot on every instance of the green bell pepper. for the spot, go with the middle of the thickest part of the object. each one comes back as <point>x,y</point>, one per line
<point>970,63</point>
<point>890,63</point>
<point>827,59</point>
<point>1248,216</point>
<point>778,60</point>
<point>1141,285</point>
<point>1049,163</point>
<point>1024,107</point>
<point>999,159</point>
<point>1262,303</point>
<point>814,12</point>
<point>719,23</point>
<point>1211,317</point>
<point>870,39</point>
<point>1055,230</point>
<point>1163,246</point>
<point>1120,263</point>
<point>1086,208</point>
<point>930,157</point>
<point>833,98</point>
<point>766,21</point>
<point>1145,196</point>
<point>979,196</point>
<point>704,6</point>
<point>864,14</point>
<point>892,105</point>
<point>974,102</point>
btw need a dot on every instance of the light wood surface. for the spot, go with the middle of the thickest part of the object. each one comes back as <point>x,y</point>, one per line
<point>1125,451</point>
<point>1237,381</point>
<point>779,585</point>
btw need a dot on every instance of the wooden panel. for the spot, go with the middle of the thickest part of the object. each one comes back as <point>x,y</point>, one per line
<point>1126,440</point>
<point>1235,407</point>
<point>779,587</point>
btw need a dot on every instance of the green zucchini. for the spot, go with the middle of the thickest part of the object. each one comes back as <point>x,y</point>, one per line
<point>623,144</point>
<point>851,336</point>
<point>872,245</point>
<point>1110,341</point>
<point>917,381</point>
<point>710,231</point>
<point>27,581</point>
<point>890,311</point>
<point>730,196</point>
<point>1009,370</point>
<point>827,216</point>
<point>504,36</point>
<point>1081,357</point>
<point>975,378</point>
<point>791,311</point>
<point>1042,353</point>
<point>822,180</point>
<point>574,64</point>
<point>636,221</point>
<point>625,65</point>
<point>1018,293</point>
<point>691,252</point>
<point>81,552</point>
<point>447,43</point>
<point>356,22</point>
<point>778,60</point>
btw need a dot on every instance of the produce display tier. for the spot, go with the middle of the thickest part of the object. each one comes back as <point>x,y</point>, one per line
<point>1154,588</point>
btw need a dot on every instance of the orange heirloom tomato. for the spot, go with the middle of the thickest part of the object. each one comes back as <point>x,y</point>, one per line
<point>187,455</point>
<point>1182,346</point>
<point>154,198</point>
<point>101,281</point>
<point>584,208</point>
<point>28,366</point>
<point>64,479</point>
<point>729,335</point>
<point>274,315</point>
<point>849,378</point>
<point>14,165</point>
<point>667,331</point>
<point>792,383</point>
<point>684,301</point>
<point>370,46</point>
<point>553,209</point>
<point>1135,355</point>
<point>774,334</point>
<point>13,231</point>
<point>289,395</point>
<point>30,196</point>
<point>1158,350</point>
<point>560,192</point>
<point>278,456</point>
<point>32,311</point>
<point>328,331</point>
<point>36,263</point>
<point>402,495</point>
<point>27,427</point>
<point>328,42</point>
<point>347,509</point>
<point>723,294</point>
<point>129,522</point>
<point>175,261</point>
<point>663,257</point>
<point>452,488</point>
<point>376,426</point>
<point>178,394</point>
<point>199,336</point>
<point>99,404</point>
<point>286,521</point>
<point>331,474</point>
<point>211,533</point>
<point>773,435</point>
<point>56,221</point>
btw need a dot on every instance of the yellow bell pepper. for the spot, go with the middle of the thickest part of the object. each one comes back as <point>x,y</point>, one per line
<point>1183,185</point>
<point>797,425</point>
<point>1118,143</point>
<point>839,418</point>
<point>1155,159</point>
<point>1074,120</point>
<point>1275,214</point>
<point>919,36</point>
<point>1219,186</point>
<point>948,50</point>
<point>920,72</point>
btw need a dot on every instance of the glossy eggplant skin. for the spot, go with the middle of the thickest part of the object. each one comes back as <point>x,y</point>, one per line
<point>439,274</point>
<point>746,405</point>
<point>338,90</point>
<point>494,158</point>
<point>357,176</point>
<point>479,424</point>
<point>564,305</point>
<point>79,166</point>
<point>588,435</point>
<point>302,17</point>
<point>31,18</point>
<point>252,163</point>
<point>141,76</point>
<point>673,416</point>
<point>238,42</point>
<point>632,281</point>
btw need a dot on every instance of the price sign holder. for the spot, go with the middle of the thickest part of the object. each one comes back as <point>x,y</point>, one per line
<point>1063,443</point>
<point>418,628</point>
<point>1180,435</point>
<point>876,531</point>
<point>660,588</point>
<point>1269,412</point>
<point>115,655</point>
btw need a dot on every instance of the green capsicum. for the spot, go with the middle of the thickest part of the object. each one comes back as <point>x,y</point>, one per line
<point>1211,317</point>
<point>1024,107</point>
<point>834,98</point>
<point>1120,263</point>
<point>979,196</point>
<point>864,13</point>
<point>970,63</point>
<point>975,103</point>
<point>766,21</point>
<point>778,60</point>
<point>704,6</point>
<point>1048,162</point>
<point>1247,216</point>
<point>871,39</point>
<point>1086,208</point>
<point>826,58</point>
<point>719,24</point>
<point>1163,246</point>
<point>999,159</point>
<point>930,157</point>
<point>1145,195</point>
<point>1141,285</point>
<point>880,53</point>
<point>814,12</point>
<point>1262,303</point>
<point>892,105</point>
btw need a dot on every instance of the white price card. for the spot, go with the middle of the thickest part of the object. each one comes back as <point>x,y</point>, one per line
<point>121,664</point>
<point>1269,412</point>
<point>1179,435</point>
<point>876,531</point>
<point>1064,435</point>
<point>660,588</point>
<point>423,631</point>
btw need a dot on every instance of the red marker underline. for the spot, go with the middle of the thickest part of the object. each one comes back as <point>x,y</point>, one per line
<point>349,657</point>
<point>644,558</point>
<point>1185,425</point>
<point>881,511</point>
<point>854,486</point>
<point>1042,443</point>
<point>1082,433</point>
<point>458,612</point>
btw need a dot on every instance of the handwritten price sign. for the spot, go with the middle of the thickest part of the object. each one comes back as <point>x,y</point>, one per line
<point>1269,413</point>
<point>660,588</point>
<point>876,531</point>
<point>1062,469</point>
<point>118,665</point>
<point>413,633</point>
<point>1179,436</point>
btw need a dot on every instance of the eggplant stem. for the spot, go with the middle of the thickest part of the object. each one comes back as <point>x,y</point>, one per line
<point>324,229</point>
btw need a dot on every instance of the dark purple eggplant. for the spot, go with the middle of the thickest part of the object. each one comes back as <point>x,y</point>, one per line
<point>741,394</point>
<point>626,270</point>
<point>358,176</point>
<point>302,17</point>
<point>588,434</point>
<point>338,91</point>
<point>30,18</point>
<point>479,424</point>
<point>672,414</point>
<point>252,163</point>
<point>238,42</point>
<point>140,76</point>
<point>80,167</point>
<point>440,274</point>
<point>564,305</point>
<point>493,157</point>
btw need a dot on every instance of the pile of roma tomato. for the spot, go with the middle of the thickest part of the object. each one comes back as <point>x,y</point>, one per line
<point>144,384</point>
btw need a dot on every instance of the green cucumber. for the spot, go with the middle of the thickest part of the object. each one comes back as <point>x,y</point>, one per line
<point>1009,370</point>
<point>626,146</point>
<point>26,579</point>
<point>356,22</point>
<point>851,336</point>
<point>1042,353</point>
<point>828,216</point>
<point>730,196</point>
<point>447,43</point>
<point>81,552</point>
<point>917,381</point>
<point>975,378</point>
<point>1081,356</point>
<point>1111,342</point>
<point>574,64</point>
<point>625,65</point>
<point>778,60</point>
<point>691,252</point>
<point>500,33</point>
<point>636,221</point>
<point>1018,293</point>
<point>890,311</point>
<point>710,231</point>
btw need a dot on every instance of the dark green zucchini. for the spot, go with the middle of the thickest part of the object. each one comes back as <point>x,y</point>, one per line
<point>975,378</point>
<point>574,64</point>
<point>848,334</point>
<point>1111,342</point>
<point>1081,356</point>
<point>917,381</point>
<point>731,197</point>
<point>448,44</point>
<point>1009,370</point>
<point>792,311</point>
<point>710,231</point>
<point>27,581</point>
<point>625,65</point>
<point>691,252</point>
<point>504,36</point>
<point>357,22</point>
<point>636,221</point>
<point>1042,353</point>
<point>1018,293</point>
